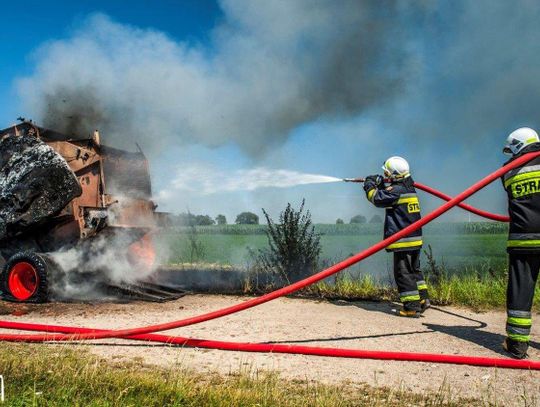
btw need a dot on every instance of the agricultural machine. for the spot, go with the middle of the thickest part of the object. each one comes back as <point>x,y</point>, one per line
<point>69,195</point>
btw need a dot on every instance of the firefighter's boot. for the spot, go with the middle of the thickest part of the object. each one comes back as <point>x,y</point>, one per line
<point>424,296</point>
<point>409,313</point>
<point>516,349</point>
<point>424,305</point>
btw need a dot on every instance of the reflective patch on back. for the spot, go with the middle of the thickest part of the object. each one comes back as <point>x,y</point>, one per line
<point>526,187</point>
<point>411,200</point>
<point>413,207</point>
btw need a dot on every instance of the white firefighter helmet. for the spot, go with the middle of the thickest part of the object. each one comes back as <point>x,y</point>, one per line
<point>396,167</point>
<point>519,139</point>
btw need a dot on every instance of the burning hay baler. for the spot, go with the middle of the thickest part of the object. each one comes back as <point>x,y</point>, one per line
<point>60,193</point>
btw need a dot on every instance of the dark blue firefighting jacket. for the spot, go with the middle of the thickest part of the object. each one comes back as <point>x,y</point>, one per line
<point>402,209</point>
<point>522,186</point>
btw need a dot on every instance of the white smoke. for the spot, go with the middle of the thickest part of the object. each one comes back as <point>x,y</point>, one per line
<point>269,67</point>
<point>83,271</point>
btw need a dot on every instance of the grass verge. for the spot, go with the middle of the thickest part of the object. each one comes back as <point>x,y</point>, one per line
<point>60,376</point>
<point>479,292</point>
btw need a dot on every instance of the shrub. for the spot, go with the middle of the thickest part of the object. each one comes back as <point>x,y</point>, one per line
<point>196,248</point>
<point>294,246</point>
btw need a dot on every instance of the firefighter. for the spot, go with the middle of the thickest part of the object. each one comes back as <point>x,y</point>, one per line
<point>522,186</point>
<point>402,209</point>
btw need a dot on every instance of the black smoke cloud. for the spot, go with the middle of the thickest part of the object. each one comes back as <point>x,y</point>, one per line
<point>270,67</point>
<point>479,78</point>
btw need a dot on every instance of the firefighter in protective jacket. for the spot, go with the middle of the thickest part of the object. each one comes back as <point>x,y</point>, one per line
<point>402,209</point>
<point>522,186</point>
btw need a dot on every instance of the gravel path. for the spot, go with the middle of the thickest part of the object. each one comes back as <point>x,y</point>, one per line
<point>359,325</point>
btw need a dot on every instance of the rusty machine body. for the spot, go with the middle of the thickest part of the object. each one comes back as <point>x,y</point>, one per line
<point>61,192</point>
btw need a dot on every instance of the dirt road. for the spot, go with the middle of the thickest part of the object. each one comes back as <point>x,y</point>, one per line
<point>359,325</point>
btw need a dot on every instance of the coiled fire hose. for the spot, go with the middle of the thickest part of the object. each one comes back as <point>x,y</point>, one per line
<point>84,333</point>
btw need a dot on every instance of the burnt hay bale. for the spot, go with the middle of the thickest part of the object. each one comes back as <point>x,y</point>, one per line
<point>35,183</point>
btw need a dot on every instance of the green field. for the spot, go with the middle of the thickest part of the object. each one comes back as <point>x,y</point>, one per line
<point>456,246</point>
<point>471,260</point>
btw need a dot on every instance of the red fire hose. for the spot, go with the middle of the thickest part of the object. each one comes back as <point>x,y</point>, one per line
<point>439,194</point>
<point>472,209</point>
<point>71,333</point>
<point>290,288</point>
<point>294,349</point>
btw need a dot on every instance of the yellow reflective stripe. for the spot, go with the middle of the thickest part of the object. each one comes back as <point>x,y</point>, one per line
<point>401,245</point>
<point>527,322</point>
<point>410,298</point>
<point>531,140</point>
<point>422,287</point>
<point>521,177</point>
<point>523,243</point>
<point>412,199</point>
<point>370,194</point>
<point>519,338</point>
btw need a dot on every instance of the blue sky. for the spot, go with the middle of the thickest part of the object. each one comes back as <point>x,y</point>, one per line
<point>27,25</point>
<point>330,90</point>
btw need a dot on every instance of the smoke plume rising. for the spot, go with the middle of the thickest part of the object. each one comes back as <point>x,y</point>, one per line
<point>270,67</point>
<point>441,83</point>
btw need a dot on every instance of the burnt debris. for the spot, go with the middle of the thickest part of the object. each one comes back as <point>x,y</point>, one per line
<point>35,183</point>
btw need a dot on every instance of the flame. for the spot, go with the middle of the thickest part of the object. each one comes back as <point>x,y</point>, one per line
<point>142,253</point>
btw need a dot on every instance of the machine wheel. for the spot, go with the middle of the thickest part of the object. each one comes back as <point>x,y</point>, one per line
<point>24,278</point>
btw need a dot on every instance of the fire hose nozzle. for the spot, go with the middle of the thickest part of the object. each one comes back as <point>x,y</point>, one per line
<point>353,179</point>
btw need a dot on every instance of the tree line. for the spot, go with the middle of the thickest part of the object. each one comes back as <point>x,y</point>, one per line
<point>361,219</point>
<point>190,219</point>
<point>245,218</point>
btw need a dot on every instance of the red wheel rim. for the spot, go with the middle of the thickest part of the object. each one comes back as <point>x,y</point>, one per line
<point>23,280</point>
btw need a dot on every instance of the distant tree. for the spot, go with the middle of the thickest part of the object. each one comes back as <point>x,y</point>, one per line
<point>376,219</point>
<point>247,218</point>
<point>221,220</point>
<point>358,219</point>
<point>339,221</point>
<point>204,220</point>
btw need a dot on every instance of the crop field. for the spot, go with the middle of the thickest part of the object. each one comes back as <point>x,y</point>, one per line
<point>455,246</point>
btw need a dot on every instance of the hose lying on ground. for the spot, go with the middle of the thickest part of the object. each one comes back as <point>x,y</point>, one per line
<point>295,349</point>
<point>285,290</point>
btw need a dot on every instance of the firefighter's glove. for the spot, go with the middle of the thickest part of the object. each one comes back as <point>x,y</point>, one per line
<point>373,181</point>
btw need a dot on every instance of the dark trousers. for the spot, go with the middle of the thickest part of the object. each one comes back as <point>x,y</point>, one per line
<point>522,276</point>
<point>410,281</point>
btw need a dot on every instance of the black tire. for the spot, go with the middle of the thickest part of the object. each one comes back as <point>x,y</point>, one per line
<point>39,266</point>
